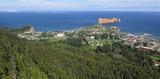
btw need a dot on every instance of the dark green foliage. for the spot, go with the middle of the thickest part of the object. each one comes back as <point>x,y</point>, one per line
<point>76,42</point>
<point>24,28</point>
<point>71,59</point>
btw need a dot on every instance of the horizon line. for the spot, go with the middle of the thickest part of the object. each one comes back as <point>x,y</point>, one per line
<point>79,10</point>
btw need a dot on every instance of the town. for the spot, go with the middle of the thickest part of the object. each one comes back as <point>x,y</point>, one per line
<point>98,35</point>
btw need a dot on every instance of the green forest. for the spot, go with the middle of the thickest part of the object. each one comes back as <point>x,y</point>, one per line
<point>70,59</point>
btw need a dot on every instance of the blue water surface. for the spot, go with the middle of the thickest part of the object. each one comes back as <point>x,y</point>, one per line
<point>134,22</point>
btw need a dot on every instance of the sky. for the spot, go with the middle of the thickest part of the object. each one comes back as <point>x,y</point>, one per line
<point>86,5</point>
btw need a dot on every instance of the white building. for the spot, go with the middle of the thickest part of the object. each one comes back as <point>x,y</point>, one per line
<point>156,64</point>
<point>92,37</point>
<point>60,35</point>
<point>31,30</point>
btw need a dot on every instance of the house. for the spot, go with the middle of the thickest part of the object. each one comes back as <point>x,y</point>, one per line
<point>146,48</point>
<point>31,30</point>
<point>158,51</point>
<point>99,44</point>
<point>157,64</point>
<point>132,39</point>
<point>114,29</point>
<point>60,35</point>
<point>92,37</point>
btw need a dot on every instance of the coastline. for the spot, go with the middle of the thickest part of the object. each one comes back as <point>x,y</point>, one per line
<point>149,41</point>
<point>132,22</point>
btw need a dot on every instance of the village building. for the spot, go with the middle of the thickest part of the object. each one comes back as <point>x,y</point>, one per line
<point>99,45</point>
<point>146,48</point>
<point>132,39</point>
<point>157,64</point>
<point>158,51</point>
<point>92,37</point>
<point>31,30</point>
<point>60,35</point>
<point>114,29</point>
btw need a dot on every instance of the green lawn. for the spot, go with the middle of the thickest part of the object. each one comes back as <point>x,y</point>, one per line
<point>155,58</point>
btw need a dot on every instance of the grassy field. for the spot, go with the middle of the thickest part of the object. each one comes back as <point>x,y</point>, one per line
<point>155,58</point>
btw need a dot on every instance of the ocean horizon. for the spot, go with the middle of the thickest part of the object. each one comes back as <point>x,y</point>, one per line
<point>132,22</point>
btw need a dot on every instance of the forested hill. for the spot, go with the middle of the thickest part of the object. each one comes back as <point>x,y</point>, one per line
<point>69,59</point>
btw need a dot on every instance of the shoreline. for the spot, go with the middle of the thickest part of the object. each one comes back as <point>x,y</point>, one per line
<point>156,36</point>
<point>134,33</point>
<point>95,33</point>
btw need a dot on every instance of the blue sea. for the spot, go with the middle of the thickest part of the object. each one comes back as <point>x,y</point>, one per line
<point>133,22</point>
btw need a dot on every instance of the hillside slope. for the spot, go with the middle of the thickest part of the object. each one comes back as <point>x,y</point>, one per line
<point>23,59</point>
